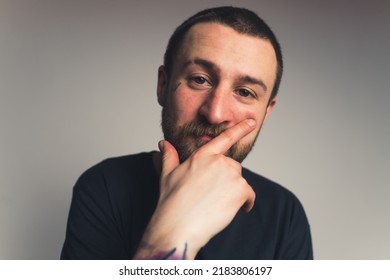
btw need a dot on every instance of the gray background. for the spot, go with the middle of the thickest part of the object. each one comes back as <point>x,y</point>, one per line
<point>77,85</point>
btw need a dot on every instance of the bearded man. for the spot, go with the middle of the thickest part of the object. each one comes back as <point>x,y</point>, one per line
<point>193,199</point>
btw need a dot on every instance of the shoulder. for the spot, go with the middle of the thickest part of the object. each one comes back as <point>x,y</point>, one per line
<point>122,168</point>
<point>117,174</point>
<point>105,198</point>
<point>120,164</point>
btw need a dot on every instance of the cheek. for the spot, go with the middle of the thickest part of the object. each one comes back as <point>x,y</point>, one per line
<point>184,107</point>
<point>250,112</point>
<point>257,114</point>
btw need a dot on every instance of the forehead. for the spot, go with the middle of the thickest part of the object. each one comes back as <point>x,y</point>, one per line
<point>229,50</point>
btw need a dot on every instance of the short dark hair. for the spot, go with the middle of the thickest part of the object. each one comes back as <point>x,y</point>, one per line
<point>241,20</point>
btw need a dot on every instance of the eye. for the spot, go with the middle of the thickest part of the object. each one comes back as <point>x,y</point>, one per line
<point>199,82</point>
<point>245,93</point>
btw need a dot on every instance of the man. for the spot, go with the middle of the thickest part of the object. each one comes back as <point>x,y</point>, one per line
<point>218,85</point>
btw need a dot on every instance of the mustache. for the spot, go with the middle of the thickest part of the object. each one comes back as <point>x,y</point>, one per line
<point>197,129</point>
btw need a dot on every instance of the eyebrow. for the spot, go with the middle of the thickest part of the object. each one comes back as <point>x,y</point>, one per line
<point>214,68</point>
<point>251,80</point>
<point>204,63</point>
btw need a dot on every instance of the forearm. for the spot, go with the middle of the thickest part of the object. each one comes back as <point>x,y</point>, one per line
<point>161,241</point>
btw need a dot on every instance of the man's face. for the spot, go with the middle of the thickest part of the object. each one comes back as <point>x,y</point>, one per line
<point>219,78</point>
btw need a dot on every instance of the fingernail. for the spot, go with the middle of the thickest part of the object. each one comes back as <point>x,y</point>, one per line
<point>250,122</point>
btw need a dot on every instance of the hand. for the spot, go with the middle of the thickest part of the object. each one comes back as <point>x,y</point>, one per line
<point>198,198</point>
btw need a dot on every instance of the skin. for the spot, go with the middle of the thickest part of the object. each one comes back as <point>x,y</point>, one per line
<point>220,77</point>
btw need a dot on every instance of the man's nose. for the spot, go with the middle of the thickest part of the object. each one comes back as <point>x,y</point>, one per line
<point>217,107</point>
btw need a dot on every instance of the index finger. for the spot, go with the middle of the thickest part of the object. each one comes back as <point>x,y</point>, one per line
<point>223,142</point>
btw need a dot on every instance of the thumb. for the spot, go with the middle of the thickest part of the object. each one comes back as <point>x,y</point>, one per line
<point>170,158</point>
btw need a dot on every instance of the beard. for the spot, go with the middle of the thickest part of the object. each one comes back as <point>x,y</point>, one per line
<point>186,138</point>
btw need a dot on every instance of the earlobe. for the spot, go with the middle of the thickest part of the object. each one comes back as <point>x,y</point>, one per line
<point>270,107</point>
<point>162,83</point>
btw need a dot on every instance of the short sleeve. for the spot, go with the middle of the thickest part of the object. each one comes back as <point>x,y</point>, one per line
<point>92,232</point>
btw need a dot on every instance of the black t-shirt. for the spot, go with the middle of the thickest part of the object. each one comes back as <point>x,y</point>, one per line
<point>114,200</point>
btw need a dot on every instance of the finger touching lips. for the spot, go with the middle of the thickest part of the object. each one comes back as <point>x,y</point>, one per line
<point>222,143</point>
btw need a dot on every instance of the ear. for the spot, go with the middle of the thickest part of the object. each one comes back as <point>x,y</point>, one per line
<point>270,107</point>
<point>162,84</point>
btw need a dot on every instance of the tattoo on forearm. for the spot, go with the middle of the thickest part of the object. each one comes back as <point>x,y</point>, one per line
<point>169,254</point>
<point>165,255</point>
<point>185,251</point>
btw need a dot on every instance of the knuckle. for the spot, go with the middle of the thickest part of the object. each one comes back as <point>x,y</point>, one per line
<point>243,183</point>
<point>217,161</point>
<point>220,158</point>
<point>235,164</point>
<point>245,189</point>
<point>196,155</point>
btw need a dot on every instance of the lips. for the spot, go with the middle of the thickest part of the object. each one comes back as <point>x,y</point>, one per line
<point>206,138</point>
